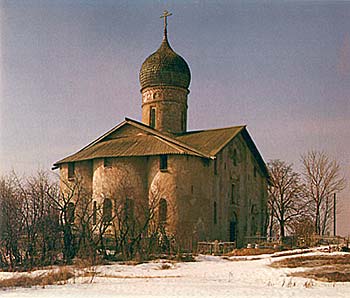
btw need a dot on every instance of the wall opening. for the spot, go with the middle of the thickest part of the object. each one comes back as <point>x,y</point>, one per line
<point>107,162</point>
<point>71,170</point>
<point>234,157</point>
<point>163,162</point>
<point>107,210</point>
<point>163,210</point>
<point>215,214</point>
<point>152,117</point>
<point>233,194</point>
<point>233,232</point>
<point>94,213</point>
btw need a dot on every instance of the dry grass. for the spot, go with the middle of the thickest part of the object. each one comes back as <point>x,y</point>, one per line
<point>312,261</point>
<point>331,268</point>
<point>51,278</point>
<point>165,267</point>
<point>330,274</point>
<point>250,252</point>
<point>291,253</point>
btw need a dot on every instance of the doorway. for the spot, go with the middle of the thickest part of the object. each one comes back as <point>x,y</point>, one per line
<point>233,226</point>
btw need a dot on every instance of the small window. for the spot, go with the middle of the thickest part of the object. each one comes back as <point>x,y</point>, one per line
<point>107,210</point>
<point>215,166</point>
<point>163,210</point>
<point>215,214</point>
<point>234,157</point>
<point>129,209</point>
<point>107,162</point>
<point>71,170</point>
<point>94,213</point>
<point>70,212</point>
<point>152,117</point>
<point>163,162</point>
<point>233,194</point>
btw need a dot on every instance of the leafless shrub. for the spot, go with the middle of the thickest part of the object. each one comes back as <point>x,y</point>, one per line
<point>309,284</point>
<point>58,277</point>
<point>250,252</point>
<point>165,266</point>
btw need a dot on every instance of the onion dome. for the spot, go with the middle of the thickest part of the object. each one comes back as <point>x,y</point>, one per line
<point>165,68</point>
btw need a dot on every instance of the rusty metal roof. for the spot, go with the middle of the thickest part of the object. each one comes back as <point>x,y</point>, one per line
<point>141,145</point>
<point>145,141</point>
<point>210,141</point>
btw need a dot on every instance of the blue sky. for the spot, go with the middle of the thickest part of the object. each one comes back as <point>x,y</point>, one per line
<point>69,72</point>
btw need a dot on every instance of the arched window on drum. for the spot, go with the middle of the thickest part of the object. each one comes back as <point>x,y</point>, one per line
<point>163,211</point>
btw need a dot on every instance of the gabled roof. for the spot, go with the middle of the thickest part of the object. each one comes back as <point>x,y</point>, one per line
<point>210,141</point>
<point>132,138</point>
<point>145,141</point>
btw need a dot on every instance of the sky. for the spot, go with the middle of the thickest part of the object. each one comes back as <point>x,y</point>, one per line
<point>69,72</point>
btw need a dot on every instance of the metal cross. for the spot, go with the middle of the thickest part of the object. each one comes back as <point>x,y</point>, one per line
<point>165,15</point>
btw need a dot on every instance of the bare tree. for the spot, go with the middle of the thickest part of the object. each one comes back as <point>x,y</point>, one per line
<point>11,223</point>
<point>285,195</point>
<point>132,213</point>
<point>29,234</point>
<point>322,178</point>
<point>65,202</point>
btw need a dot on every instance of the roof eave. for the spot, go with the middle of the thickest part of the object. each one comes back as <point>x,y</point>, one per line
<point>228,140</point>
<point>255,151</point>
<point>169,140</point>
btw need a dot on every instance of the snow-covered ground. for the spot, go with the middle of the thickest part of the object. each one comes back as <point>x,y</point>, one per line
<point>210,276</point>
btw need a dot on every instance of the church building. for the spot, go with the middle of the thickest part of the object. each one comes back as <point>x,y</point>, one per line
<point>204,185</point>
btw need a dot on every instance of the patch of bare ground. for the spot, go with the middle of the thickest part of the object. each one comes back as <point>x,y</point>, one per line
<point>291,253</point>
<point>59,277</point>
<point>328,274</point>
<point>312,261</point>
<point>250,252</point>
<point>329,268</point>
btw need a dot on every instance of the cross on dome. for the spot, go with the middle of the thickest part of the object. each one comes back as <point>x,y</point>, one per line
<point>165,15</point>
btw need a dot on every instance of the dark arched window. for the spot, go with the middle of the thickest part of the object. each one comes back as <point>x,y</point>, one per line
<point>234,157</point>
<point>107,210</point>
<point>163,210</point>
<point>215,214</point>
<point>70,212</point>
<point>163,162</point>
<point>152,117</point>
<point>129,209</point>
<point>71,170</point>
<point>253,212</point>
<point>94,212</point>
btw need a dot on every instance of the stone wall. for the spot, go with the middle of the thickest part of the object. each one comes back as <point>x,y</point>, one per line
<point>82,175</point>
<point>171,108</point>
<point>247,207</point>
<point>190,185</point>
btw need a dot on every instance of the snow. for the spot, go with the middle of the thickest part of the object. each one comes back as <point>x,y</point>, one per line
<point>209,276</point>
